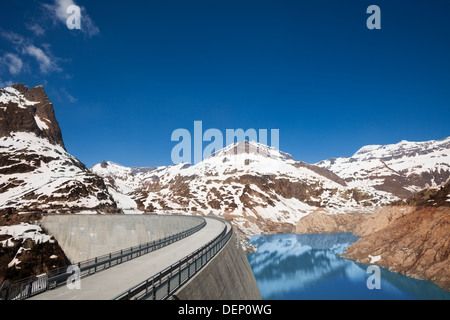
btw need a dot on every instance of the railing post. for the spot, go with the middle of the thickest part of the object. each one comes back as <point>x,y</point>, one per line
<point>168,284</point>
<point>46,283</point>
<point>30,287</point>
<point>153,288</point>
<point>189,270</point>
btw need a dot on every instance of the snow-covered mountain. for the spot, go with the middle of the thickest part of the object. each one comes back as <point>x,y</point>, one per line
<point>257,187</point>
<point>123,183</point>
<point>401,169</point>
<point>36,172</point>
<point>260,189</point>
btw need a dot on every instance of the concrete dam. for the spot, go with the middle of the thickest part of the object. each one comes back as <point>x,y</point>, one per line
<point>83,237</point>
<point>148,257</point>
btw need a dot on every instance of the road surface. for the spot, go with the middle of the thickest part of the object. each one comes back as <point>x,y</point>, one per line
<point>111,282</point>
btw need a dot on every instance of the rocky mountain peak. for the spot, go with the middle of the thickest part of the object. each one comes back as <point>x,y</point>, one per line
<point>104,164</point>
<point>28,110</point>
<point>252,148</point>
<point>37,174</point>
<point>20,87</point>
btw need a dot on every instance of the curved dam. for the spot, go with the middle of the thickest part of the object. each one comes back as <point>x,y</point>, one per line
<point>227,275</point>
<point>83,237</point>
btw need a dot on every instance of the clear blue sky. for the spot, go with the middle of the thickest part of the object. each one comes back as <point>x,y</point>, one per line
<point>138,70</point>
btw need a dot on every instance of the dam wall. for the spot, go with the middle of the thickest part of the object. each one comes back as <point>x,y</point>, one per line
<point>228,276</point>
<point>84,237</point>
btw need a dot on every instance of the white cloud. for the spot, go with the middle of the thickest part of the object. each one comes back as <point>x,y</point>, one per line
<point>59,10</point>
<point>17,62</point>
<point>13,63</point>
<point>47,63</point>
<point>15,38</point>
<point>69,97</point>
<point>59,7</point>
<point>36,28</point>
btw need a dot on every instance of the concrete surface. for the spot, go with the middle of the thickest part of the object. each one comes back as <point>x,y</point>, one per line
<point>109,283</point>
<point>228,276</point>
<point>83,237</point>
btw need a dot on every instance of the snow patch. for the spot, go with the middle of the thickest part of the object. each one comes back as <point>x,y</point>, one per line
<point>23,232</point>
<point>40,123</point>
<point>11,95</point>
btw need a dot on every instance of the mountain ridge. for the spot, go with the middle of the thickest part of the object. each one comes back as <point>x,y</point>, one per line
<point>258,186</point>
<point>402,169</point>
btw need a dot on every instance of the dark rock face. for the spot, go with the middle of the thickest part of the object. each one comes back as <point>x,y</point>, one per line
<point>36,259</point>
<point>32,147</point>
<point>104,164</point>
<point>23,117</point>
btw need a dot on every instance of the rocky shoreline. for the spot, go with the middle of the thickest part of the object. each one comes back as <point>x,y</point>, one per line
<point>405,239</point>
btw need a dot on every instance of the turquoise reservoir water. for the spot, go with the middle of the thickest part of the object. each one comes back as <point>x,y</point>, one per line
<point>299,267</point>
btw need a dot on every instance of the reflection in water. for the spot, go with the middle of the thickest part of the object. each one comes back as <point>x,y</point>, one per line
<point>292,267</point>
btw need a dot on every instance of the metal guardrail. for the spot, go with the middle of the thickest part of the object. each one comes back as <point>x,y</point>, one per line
<point>32,286</point>
<point>165,283</point>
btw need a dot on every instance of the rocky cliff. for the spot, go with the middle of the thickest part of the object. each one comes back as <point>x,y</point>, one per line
<point>36,172</point>
<point>413,241</point>
<point>321,221</point>
<point>28,110</point>
<point>408,239</point>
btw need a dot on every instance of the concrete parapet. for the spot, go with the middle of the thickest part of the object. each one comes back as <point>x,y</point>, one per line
<point>228,276</point>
